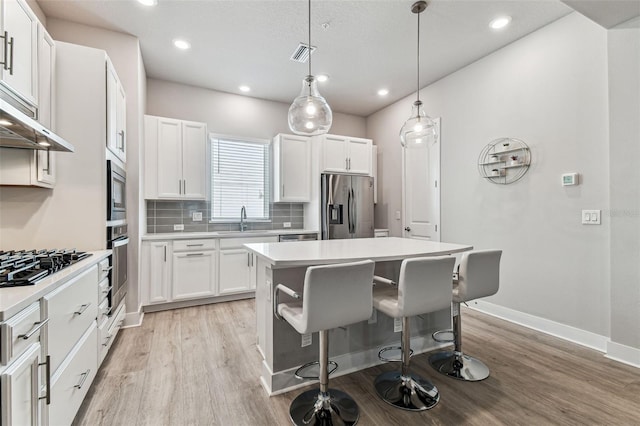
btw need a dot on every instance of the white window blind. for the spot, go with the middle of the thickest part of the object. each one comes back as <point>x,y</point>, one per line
<point>239,177</point>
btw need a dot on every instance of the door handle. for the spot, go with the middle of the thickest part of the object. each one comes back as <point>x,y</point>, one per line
<point>11,43</point>
<point>36,326</point>
<point>82,309</point>
<point>407,228</point>
<point>5,50</point>
<point>47,365</point>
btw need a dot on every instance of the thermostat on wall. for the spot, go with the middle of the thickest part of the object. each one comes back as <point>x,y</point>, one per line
<point>569,179</point>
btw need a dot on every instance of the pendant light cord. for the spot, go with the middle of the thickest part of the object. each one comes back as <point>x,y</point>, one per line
<point>418,91</point>
<point>309,37</point>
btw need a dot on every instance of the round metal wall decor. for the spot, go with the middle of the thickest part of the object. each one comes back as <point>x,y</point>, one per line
<point>504,160</point>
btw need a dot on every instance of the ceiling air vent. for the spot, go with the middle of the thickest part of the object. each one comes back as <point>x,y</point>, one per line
<point>301,54</point>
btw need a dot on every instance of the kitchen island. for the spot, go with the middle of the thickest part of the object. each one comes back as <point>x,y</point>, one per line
<point>354,347</point>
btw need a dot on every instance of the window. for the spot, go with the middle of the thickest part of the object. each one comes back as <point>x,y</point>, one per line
<point>239,177</point>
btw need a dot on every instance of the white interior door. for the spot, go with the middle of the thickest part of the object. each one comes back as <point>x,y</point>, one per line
<point>421,191</point>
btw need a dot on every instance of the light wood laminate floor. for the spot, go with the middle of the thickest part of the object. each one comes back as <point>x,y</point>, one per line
<point>200,366</point>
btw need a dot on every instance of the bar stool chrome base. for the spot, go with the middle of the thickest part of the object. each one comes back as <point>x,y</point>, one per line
<point>329,409</point>
<point>459,366</point>
<point>410,392</point>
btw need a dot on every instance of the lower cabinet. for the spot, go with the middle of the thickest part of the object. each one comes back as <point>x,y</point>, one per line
<point>19,387</point>
<point>194,269</point>
<point>73,379</point>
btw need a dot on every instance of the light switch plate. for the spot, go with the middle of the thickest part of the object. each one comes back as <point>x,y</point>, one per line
<point>306,340</point>
<point>196,216</point>
<point>286,225</point>
<point>178,227</point>
<point>397,325</point>
<point>591,217</point>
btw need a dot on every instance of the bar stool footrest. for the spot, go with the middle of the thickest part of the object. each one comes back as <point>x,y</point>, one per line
<point>438,336</point>
<point>298,373</point>
<point>459,366</point>
<point>392,348</point>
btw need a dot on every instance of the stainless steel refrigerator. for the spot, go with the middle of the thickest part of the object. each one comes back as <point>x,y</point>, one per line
<point>346,206</point>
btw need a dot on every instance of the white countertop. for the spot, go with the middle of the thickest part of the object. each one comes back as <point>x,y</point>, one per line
<point>302,253</point>
<point>224,234</point>
<point>14,299</point>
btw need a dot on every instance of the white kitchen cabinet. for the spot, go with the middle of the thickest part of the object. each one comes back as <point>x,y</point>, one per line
<point>26,167</point>
<point>19,387</point>
<point>46,78</point>
<point>19,45</point>
<point>237,264</point>
<point>194,269</point>
<point>291,169</point>
<point>175,159</point>
<point>159,278</point>
<point>116,114</point>
<point>343,154</point>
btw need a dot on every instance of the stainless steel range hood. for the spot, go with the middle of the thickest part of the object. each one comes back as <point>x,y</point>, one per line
<point>17,130</point>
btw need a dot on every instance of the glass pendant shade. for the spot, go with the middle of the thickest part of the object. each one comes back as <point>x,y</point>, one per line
<point>310,114</point>
<point>419,131</point>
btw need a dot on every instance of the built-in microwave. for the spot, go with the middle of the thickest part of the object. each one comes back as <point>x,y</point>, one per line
<point>116,192</point>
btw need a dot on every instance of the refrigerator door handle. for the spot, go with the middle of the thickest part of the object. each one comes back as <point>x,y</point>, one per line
<point>354,210</point>
<point>350,211</point>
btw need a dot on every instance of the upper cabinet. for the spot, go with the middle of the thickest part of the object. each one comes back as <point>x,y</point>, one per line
<point>19,53</point>
<point>291,169</point>
<point>116,114</point>
<point>175,159</point>
<point>343,154</point>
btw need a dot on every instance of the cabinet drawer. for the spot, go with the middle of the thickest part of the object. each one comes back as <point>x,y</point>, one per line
<point>103,269</point>
<point>71,384</point>
<point>107,333</point>
<point>238,242</point>
<point>194,245</point>
<point>71,309</point>
<point>103,312</point>
<point>103,290</point>
<point>14,332</point>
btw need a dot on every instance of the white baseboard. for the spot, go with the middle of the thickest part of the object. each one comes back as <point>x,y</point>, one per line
<point>133,319</point>
<point>563,331</point>
<point>622,353</point>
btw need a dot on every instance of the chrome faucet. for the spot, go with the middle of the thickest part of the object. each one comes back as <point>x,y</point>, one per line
<point>243,216</point>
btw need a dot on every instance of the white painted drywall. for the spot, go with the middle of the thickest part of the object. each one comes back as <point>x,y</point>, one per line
<point>624,213</point>
<point>231,114</point>
<point>550,90</point>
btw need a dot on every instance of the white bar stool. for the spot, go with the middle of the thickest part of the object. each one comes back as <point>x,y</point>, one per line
<point>478,276</point>
<point>424,286</point>
<point>333,296</point>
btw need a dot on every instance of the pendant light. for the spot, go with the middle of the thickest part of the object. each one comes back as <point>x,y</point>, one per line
<point>309,114</point>
<point>419,130</point>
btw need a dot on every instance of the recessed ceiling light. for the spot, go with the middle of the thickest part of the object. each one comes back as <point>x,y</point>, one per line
<point>244,88</point>
<point>148,2</point>
<point>181,44</point>
<point>322,78</point>
<point>383,92</point>
<point>500,22</point>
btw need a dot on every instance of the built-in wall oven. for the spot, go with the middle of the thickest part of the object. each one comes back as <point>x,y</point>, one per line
<point>117,238</point>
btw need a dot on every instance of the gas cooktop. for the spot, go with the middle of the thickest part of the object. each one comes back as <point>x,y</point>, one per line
<point>26,267</point>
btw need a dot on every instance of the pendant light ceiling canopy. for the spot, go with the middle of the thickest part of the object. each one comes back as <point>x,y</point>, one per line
<point>419,131</point>
<point>310,114</point>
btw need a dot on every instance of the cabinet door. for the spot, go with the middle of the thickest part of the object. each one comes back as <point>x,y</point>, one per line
<point>159,272</point>
<point>45,166</point>
<point>112,92</point>
<point>194,160</point>
<point>121,123</point>
<point>360,156</point>
<point>20,73</point>
<point>193,274</point>
<point>169,152</point>
<point>19,390</point>
<point>235,271</point>
<point>293,169</point>
<point>46,78</point>
<point>334,154</point>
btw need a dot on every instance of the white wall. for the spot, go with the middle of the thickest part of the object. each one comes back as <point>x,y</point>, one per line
<point>624,214</point>
<point>124,51</point>
<point>550,90</point>
<point>230,114</point>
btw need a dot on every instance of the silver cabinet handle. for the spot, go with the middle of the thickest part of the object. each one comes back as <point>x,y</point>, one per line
<point>36,327</point>
<point>248,260</point>
<point>195,245</point>
<point>165,254</point>
<point>346,163</point>
<point>283,190</point>
<point>47,365</point>
<point>107,290</point>
<point>107,269</point>
<point>82,309</point>
<point>106,341</point>
<point>83,378</point>
<point>185,186</point>
<point>11,43</point>
<point>121,133</point>
<point>195,254</point>
<point>179,186</point>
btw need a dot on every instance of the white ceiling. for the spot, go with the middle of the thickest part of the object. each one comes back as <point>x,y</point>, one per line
<point>369,44</point>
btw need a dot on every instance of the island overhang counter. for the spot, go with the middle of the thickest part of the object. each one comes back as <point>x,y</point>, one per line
<point>354,347</point>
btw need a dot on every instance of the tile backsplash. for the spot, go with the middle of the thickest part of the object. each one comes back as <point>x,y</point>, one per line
<point>162,215</point>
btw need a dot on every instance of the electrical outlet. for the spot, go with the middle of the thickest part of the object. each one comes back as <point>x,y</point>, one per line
<point>397,325</point>
<point>178,227</point>
<point>196,216</point>
<point>286,225</point>
<point>591,217</point>
<point>306,340</point>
